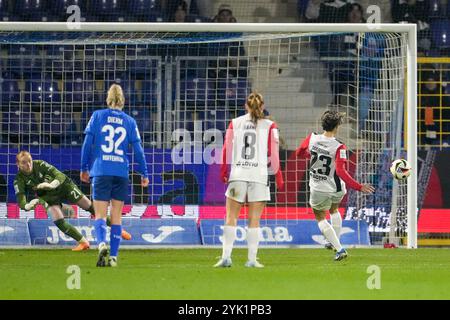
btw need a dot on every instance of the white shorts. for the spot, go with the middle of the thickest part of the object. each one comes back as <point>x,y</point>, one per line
<point>241,191</point>
<point>323,200</point>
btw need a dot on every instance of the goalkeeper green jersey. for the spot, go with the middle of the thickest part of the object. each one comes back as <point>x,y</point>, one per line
<point>42,172</point>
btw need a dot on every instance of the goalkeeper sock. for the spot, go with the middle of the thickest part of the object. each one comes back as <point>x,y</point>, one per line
<point>100,230</point>
<point>115,237</point>
<point>229,235</point>
<point>336,222</point>
<point>252,242</point>
<point>68,229</point>
<point>330,235</point>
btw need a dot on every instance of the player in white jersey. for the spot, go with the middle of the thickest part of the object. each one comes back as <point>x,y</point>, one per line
<point>251,147</point>
<point>328,178</point>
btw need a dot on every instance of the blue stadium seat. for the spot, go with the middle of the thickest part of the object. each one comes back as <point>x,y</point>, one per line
<point>149,94</point>
<point>105,60</point>
<point>24,60</point>
<point>137,61</point>
<point>89,91</point>
<point>154,16</point>
<point>41,91</point>
<point>440,31</point>
<point>435,9</point>
<point>10,91</point>
<point>194,92</point>
<point>143,117</point>
<point>73,90</point>
<point>23,50</point>
<point>121,16</point>
<point>232,92</point>
<point>12,118</point>
<point>108,10</point>
<point>141,7</point>
<point>89,57</point>
<point>59,58</point>
<point>197,19</point>
<point>106,7</point>
<point>59,6</point>
<point>26,8</point>
<point>216,119</point>
<point>89,17</point>
<point>21,124</point>
<point>8,17</point>
<point>53,123</point>
<point>4,4</point>
<point>45,16</point>
<point>100,94</point>
<point>142,65</point>
<point>194,68</point>
<point>145,10</point>
<point>301,7</point>
<point>186,120</point>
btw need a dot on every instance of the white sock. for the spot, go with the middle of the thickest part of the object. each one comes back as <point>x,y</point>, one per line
<point>229,235</point>
<point>330,235</point>
<point>336,222</point>
<point>252,242</point>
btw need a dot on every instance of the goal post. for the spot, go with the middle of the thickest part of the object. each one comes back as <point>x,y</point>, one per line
<point>266,45</point>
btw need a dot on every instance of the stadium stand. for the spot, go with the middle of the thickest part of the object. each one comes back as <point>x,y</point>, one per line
<point>84,78</point>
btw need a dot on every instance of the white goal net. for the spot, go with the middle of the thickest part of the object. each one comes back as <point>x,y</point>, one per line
<point>183,88</point>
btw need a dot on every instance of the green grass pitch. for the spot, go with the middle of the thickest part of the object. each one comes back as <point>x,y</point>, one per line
<point>188,274</point>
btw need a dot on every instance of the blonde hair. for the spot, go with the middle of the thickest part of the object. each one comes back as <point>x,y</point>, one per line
<point>22,154</point>
<point>255,103</point>
<point>115,99</point>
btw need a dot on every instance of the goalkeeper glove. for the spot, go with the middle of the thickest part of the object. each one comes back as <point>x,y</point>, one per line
<point>48,186</point>
<point>30,205</point>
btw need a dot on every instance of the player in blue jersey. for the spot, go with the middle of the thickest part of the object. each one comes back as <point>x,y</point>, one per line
<point>104,159</point>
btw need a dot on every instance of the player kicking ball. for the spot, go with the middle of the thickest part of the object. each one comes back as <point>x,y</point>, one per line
<point>251,145</point>
<point>328,178</point>
<point>52,188</point>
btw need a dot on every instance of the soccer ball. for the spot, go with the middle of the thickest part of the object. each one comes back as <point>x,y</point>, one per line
<point>400,169</point>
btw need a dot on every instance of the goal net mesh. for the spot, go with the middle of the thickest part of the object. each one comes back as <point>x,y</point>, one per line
<point>183,89</point>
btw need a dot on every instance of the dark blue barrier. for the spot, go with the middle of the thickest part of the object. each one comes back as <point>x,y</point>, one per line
<point>143,232</point>
<point>287,232</point>
<point>14,232</point>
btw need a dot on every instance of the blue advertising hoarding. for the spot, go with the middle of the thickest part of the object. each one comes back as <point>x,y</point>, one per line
<point>287,232</point>
<point>143,232</point>
<point>14,232</point>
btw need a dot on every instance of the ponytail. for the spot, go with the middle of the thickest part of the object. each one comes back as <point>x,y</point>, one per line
<point>115,99</point>
<point>255,106</point>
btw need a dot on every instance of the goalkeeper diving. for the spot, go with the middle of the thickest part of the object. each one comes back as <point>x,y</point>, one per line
<point>52,188</point>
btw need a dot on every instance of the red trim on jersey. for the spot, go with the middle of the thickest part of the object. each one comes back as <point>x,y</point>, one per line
<point>302,151</point>
<point>275,159</point>
<point>341,171</point>
<point>226,156</point>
